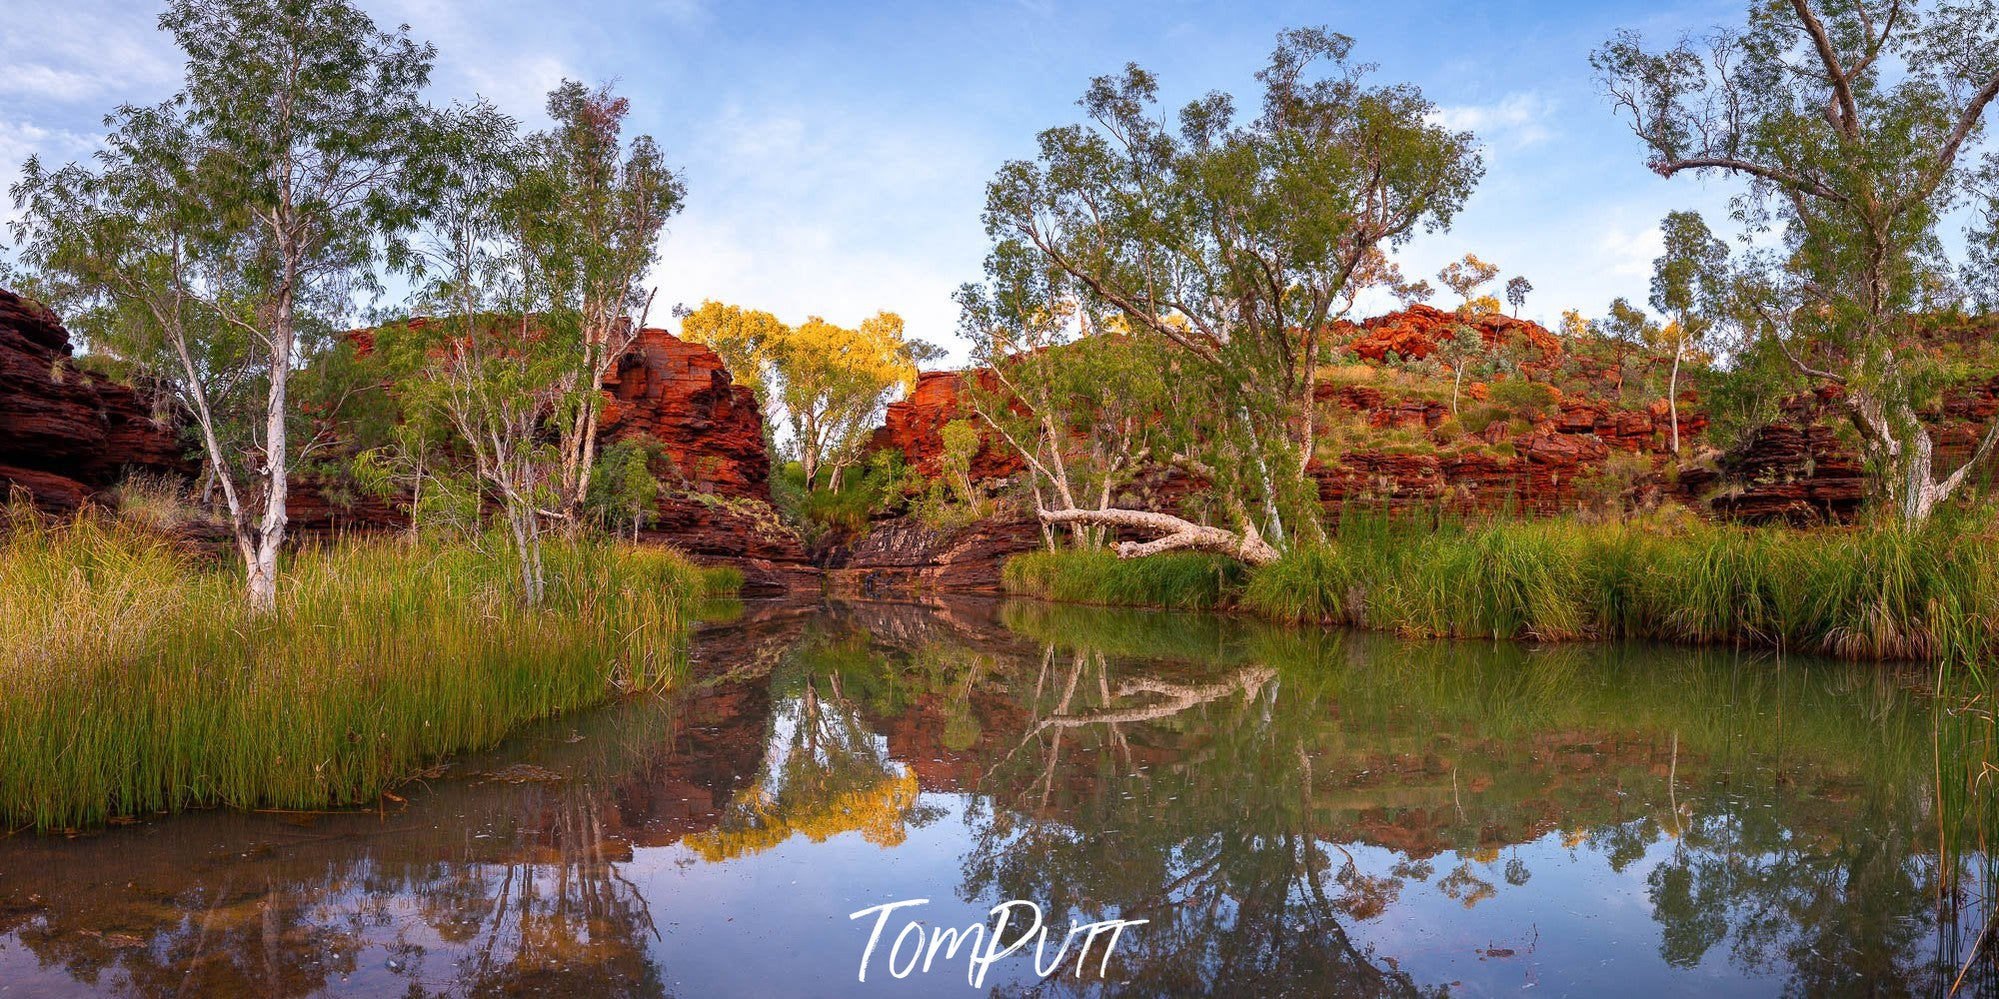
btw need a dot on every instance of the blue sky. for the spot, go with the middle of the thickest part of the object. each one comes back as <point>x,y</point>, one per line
<point>836,154</point>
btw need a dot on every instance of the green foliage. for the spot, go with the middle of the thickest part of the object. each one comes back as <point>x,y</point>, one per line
<point>136,681</point>
<point>625,491</point>
<point>581,211</point>
<point>879,488</point>
<point>1230,241</point>
<point>223,233</point>
<point>1522,398</point>
<point>1177,580</point>
<point>1854,163</point>
<point>961,441</point>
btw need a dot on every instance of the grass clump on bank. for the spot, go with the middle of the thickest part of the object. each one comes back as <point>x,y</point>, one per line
<point>1175,580</point>
<point>1864,593</point>
<point>136,680</point>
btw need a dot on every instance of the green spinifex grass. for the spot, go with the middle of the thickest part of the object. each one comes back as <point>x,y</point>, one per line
<point>1862,593</point>
<point>135,680</point>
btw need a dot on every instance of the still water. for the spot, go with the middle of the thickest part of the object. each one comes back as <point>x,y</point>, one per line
<point>1290,813</point>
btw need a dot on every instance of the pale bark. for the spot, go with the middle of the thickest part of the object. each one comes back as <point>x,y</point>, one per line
<point>1673,393</point>
<point>1175,534</point>
<point>262,584</point>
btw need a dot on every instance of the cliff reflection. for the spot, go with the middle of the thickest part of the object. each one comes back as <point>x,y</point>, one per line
<point>1295,813</point>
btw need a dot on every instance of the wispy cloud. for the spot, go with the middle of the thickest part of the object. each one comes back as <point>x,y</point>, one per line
<point>1630,253</point>
<point>828,213</point>
<point>1516,121</point>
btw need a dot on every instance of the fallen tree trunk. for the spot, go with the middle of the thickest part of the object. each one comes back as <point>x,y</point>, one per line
<point>1175,534</point>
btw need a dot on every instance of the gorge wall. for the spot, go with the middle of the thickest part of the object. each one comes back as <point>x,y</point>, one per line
<point>1392,441</point>
<point>67,434</point>
<point>1568,453</point>
<point>715,504</point>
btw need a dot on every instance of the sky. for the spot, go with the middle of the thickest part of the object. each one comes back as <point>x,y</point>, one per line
<point>836,154</point>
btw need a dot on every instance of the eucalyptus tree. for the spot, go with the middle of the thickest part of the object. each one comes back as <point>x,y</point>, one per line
<point>834,381</point>
<point>1855,127</point>
<point>1689,285</point>
<point>1233,241</point>
<point>1517,290</point>
<point>588,210</point>
<point>240,218</point>
<point>747,340</point>
<point>482,366</point>
<point>1467,347</point>
<point>1074,390</point>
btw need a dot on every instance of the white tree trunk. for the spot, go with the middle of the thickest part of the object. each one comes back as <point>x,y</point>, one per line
<point>1673,393</point>
<point>262,585</point>
<point>1176,534</point>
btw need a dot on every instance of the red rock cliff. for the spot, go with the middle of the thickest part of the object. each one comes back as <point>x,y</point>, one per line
<point>64,433</point>
<point>1413,334</point>
<point>680,394</point>
<point>915,427</point>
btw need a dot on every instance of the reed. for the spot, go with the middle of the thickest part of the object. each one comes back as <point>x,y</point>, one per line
<point>1176,580</point>
<point>136,682</point>
<point>1862,593</point>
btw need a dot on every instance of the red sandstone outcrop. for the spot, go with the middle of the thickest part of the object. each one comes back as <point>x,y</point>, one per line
<point>903,554</point>
<point>716,506</point>
<point>65,433</point>
<point>680,394</point>
<point>915,427</point>
<point>1412,334</point>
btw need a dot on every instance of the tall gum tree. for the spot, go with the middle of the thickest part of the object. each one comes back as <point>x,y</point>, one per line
<point>1855,127</point>
<point>251,207</point>
<point>1073,389</point>
<point>1234,241</point>
<point>588,210</point>
<point>833,382</point>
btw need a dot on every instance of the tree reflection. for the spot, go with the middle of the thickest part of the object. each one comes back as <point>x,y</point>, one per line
<point>536,904</point>
<point>825,773</point>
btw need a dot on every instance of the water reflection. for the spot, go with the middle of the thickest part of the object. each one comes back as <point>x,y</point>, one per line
<point>1293,813</point>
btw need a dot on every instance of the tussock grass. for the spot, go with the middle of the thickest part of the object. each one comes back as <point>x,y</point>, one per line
<point>133,680</point>
<point>1175,580</point>
<point>1865,593</point>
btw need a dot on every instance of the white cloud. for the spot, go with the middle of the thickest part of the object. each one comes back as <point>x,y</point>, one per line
<point>1516,121</point>
<point>818,211</point>
<point>40,82</point>
<point>1629,253</point>
<point>516,86</point>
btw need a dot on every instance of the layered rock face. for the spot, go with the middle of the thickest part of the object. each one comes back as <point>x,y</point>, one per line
<point>716,505</point>
<point>66,434</point>
<point>1800,469</point>
<point>1413,334</point>
<point>915,427</point>
<point>903,555</point>
<point>1565,459</point>
<point>680,394</point>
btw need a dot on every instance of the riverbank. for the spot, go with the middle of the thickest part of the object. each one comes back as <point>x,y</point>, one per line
<point>1863,593</point>
<point>135,681</point>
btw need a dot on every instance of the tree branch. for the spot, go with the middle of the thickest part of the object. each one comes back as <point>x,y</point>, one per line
<point>1842,91</point>
<point>1667,168</point>
<point>1176,534</point>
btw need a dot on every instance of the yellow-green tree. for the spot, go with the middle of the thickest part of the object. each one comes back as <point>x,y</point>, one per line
<point>834,382</point>
<point>747,340</point>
